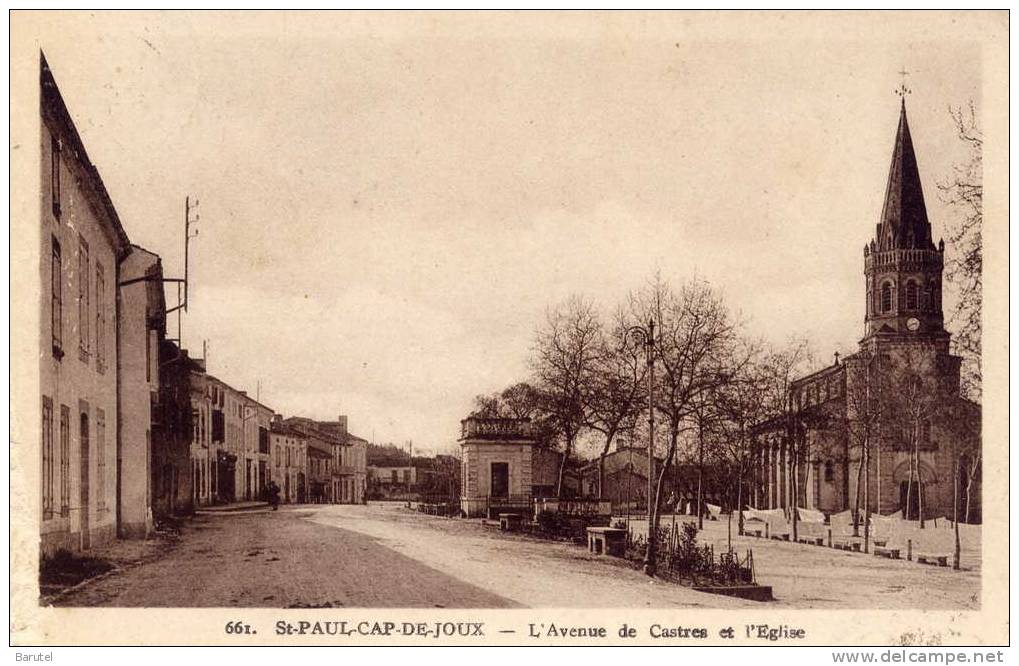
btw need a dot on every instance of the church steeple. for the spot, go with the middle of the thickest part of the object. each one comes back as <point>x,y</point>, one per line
<point>902,264</point>
<point>904,215</point>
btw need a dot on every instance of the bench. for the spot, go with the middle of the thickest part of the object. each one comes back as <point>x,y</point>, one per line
<point>811,532</point>
<point>932,558</point>
<point>811,540</point>
<point>510,522</point>
<point>891,552</point>
<point>848,543</point>
<point>606,541</point>
<point>753,530</point>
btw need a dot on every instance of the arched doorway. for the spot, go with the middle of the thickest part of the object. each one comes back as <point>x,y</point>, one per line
<point>915,490</point>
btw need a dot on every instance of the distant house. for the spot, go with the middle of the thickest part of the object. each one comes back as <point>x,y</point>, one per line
<point>289,461</point>
<point>347,468</point>
<point>319,462</point>
<point>386,481</point>
<point>240,435</point>
<point>626,478</point>
<point>502,466</point>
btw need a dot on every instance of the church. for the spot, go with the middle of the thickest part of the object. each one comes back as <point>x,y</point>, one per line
<point>884,429</point>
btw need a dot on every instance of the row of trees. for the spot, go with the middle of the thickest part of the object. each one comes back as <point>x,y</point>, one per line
<point>713,384</point>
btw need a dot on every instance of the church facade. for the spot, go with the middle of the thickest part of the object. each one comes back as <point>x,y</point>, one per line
<point>884,429</point>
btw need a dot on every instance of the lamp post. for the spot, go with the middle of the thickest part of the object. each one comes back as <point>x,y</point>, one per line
<point>646,336</point>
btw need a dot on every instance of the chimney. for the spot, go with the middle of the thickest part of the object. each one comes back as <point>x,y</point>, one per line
<point>341,421</point>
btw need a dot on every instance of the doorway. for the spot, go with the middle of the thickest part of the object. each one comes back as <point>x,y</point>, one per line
<point>909,499</point>
<point>500,479</point>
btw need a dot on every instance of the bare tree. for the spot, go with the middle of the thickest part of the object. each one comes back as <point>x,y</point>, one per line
<point>779,369</point>
<point>692,348</point>
<point>868,398</point>
<point>487,406</point>
<point>564,353</point>
<point>738,404</point>
<point>963,191</point>
<point>613,395</point>
<point>920,394</point>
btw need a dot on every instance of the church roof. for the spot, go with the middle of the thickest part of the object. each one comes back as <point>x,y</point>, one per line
<point>904,221</point>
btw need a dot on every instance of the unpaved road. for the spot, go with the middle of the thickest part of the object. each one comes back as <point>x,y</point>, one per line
<point>387,556</point>
<point>280,560</point>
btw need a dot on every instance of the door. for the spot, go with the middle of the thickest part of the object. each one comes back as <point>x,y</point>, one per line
<point>86,539</point>
<point>909,499</point>
<point>500,479</point>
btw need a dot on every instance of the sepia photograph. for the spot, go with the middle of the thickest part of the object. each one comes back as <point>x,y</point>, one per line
<point>509,327</point>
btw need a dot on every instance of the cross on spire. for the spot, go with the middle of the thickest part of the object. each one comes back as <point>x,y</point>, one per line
<point>902,90</point>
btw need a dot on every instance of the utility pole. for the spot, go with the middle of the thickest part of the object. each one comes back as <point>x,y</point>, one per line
<point>182,283</point>
<point>646,337</point>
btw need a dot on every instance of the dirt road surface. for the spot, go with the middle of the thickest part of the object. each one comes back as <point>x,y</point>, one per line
<point>387,556</point>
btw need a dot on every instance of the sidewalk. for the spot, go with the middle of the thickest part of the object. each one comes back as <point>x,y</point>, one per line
<point>233,507</point>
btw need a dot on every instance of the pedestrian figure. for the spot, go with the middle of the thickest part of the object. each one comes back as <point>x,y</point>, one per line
<point>274,495</point>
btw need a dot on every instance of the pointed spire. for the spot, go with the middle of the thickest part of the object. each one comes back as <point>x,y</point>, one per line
<point>904,221</point>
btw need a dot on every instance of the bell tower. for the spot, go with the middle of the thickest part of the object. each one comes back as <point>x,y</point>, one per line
<point>902,265</point>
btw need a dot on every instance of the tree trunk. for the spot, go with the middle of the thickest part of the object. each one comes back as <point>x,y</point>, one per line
<point>601,464</point>
<point>601,474</point>
<point>700,477</point>
<point>795,463</point>
<point>909,489</point>
<point>562,468</point>
<point>739,501</point>
<point>969,488</point>
<point>856,500</point>
<point>729,529</point>
<point>919,485</point>
<point>654,505</point>
<point>955,506</point>
<point>971,475</point>
<point>866,494</point>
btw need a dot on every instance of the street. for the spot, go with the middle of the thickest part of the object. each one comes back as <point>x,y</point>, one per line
<point>387,556</point>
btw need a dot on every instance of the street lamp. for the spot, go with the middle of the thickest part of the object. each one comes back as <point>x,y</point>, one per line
<point>646,336</point>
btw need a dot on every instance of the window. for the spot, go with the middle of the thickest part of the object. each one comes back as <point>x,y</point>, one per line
<point>65,459</point>
<point>55,174</point>
<point>47,457</point>
<point>829,472</point>
<point>83,273</point>
<point>911,296</point>
<point>57,301</point>
<point>886,297</point>
<point>101,319</point>
<point>394,479</point>
<point>101,458</point>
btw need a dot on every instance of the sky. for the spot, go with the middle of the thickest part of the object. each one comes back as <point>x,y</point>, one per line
<point>388,203</point>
